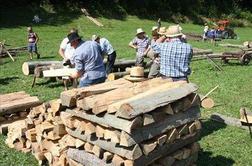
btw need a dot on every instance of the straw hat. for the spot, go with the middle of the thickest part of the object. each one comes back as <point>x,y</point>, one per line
<point>139,30</point>
<point>162,31</point>
<point>247,44</point>
<point>174,31</point>
<point>136,74</point>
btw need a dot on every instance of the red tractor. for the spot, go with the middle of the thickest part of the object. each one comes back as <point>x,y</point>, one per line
<point>224,31</point>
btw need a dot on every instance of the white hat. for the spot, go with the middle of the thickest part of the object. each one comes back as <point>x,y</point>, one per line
<point>95,37</point>
<point>154,28</point>
<point>139,30</point>
<point>173,31</point>
<point>136,74</point>
<point>162,31</point>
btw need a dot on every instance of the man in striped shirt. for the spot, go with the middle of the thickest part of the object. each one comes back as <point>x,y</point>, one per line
<point>175,55</point>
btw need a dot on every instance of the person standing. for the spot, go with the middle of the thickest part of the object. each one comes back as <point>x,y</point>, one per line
<point>88,61</point>
<point>175,55</point>
<point>33,39</point>
<point>66,51</point>
<point>107,49</point>
<point>140,43</point>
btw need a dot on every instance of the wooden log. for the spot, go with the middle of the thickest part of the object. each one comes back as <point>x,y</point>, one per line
<point>148,101</point>
<point>130,153</point>
<point>139,135</point>
<point>84,158</point>
<point>19,105</point>
<point>228,120</point>
<point>4,126</point>
<point>99,131</point>
<point>88,147</point>
<point>89,128</point>
<point>207,103</point>
<point>97,151</point>
<point>231,45</point>
<point>99,103</point>
<point>9,97</point>
<point>117,160</point>
<point>148,147</point>
<point>107,156</point>
<point>79,143</point>
<point>29,67</point>
<point>109,120</point>
<point>113,135</point>
<point>67,119</point>
<point>68,98</point>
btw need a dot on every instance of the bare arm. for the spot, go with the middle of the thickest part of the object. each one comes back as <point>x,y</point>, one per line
<point>62,53</point>
<point>132,45</point>
<point>77,74</point>
<point>37,38</point>
<point>161,39</point>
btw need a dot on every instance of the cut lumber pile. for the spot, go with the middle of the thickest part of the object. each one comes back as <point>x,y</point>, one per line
<point>114,123</point>
<point>135,125</point>
<point>42,133</point>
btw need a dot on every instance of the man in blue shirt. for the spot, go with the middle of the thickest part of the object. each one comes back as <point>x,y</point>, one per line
<point>108,50</point>
<point>175,55</point>
<point>87,60</point>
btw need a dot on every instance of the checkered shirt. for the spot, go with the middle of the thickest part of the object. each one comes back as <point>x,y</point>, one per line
<point>142,45</point>
<point>175,58</point>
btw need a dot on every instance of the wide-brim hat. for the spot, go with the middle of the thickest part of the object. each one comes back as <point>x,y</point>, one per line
<point>72,37</point>
<point>162,31</point>
<point>174,31</point>
<point>154,28</point>
<point>139,30</point>
<point>136,74</point>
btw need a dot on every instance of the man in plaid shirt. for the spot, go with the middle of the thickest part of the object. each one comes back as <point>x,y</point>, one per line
<point>175,55</point>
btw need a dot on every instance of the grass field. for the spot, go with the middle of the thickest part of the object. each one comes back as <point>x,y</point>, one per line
<point>221,145</point>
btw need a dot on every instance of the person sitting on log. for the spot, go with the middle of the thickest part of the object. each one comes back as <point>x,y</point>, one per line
<point>107,49</point>
<point>33,39</point>
<point>140,43</point>
<point>88,61</point>
<point>175,55</point>
<point>66,50</point>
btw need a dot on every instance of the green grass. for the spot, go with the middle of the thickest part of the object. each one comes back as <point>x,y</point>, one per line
<point>221,145</point>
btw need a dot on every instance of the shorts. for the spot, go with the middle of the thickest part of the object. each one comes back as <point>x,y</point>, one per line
<point>32,47</point>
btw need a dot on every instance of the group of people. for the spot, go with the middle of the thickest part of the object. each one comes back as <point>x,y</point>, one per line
<point>168,50</point>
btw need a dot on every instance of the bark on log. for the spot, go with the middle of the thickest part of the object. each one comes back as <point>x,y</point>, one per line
<point>148,101</point>
<point>99,103</point>
<point>140,134</point>
<point>68,98</point>
<point>85,158</point>
<point>131,153</point>
<point>19,105</point>
<point>29,67</point>
<point>109,120</point>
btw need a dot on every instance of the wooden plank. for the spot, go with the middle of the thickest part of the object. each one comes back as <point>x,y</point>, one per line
<point>139,135</point>
<point>19,105</point>
<point>148,101</point>
<point>85,158</point>
<point>12,96</point>
<point>107,156</point>
<point>97,151</point>
<point>109,120</point>
<point>68,98</point>
<point>99,103</point>
<point>130,153</point>
<point>228,120</point>
<point>59,72</point>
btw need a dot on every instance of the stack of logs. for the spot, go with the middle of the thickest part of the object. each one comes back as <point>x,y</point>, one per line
<point>151,122</point>
<point>15,107</point>
<point>114,123</point>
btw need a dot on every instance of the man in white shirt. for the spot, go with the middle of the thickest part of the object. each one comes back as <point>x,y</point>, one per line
<point>66,51</point>
<point>107,49</point>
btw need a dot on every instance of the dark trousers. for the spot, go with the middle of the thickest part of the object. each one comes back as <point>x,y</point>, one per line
<point>110,62</point>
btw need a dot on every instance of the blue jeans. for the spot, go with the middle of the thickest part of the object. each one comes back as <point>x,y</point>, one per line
<point>88,82</point>
<point>32,47</point>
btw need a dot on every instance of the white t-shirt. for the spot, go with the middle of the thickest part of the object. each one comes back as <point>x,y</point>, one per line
<point>106,46</point>
<point>69,50</point>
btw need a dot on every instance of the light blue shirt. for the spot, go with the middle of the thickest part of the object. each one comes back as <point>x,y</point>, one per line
<point>88,59</point>
<point>106,46</point>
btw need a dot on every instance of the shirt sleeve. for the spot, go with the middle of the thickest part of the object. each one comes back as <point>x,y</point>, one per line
<point>79,65</point>
<point>63,44</point>
<point>134,41</point>
<point>156,48</point>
